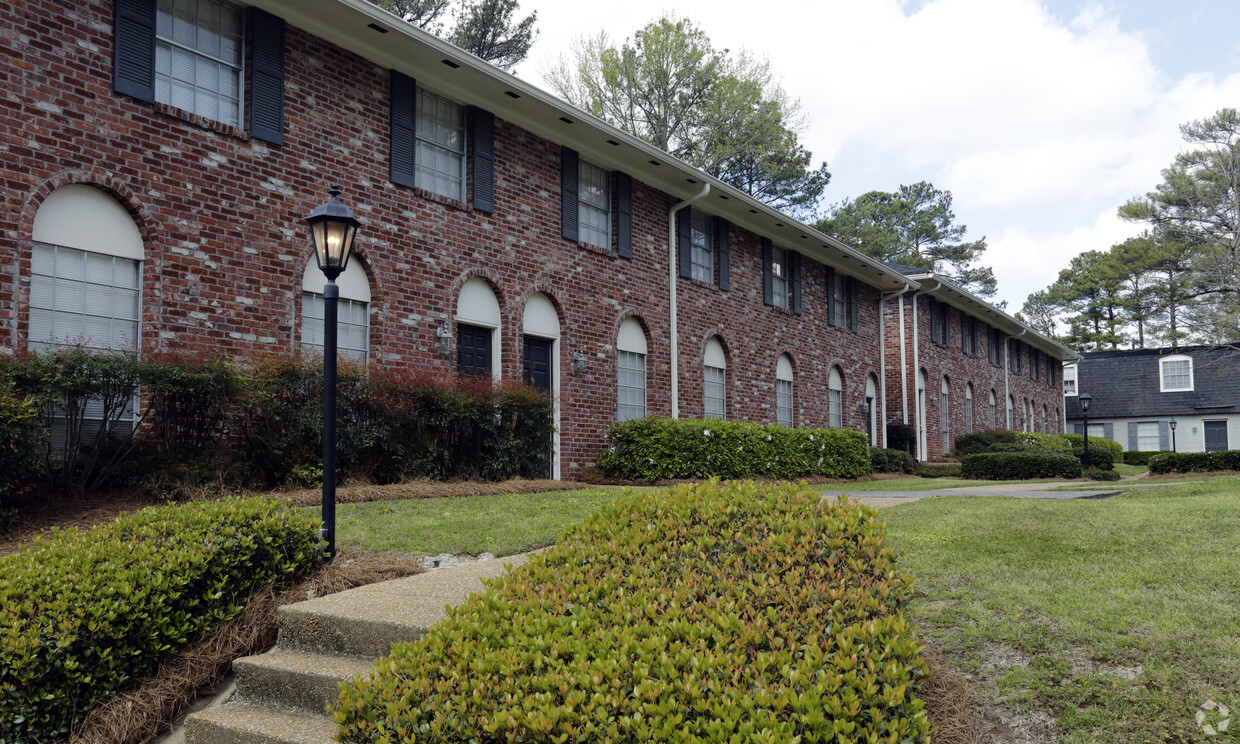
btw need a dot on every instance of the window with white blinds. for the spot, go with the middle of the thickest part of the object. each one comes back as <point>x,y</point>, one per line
<point>198,58</point>
<point>352,326</point>
<point>83,298</point>
<point>630,385</point>
<point>593,205</point>
<point>441,146</point>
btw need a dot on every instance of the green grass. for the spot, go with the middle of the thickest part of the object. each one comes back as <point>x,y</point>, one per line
<point>911,483</point>
<point>1123,469</point>
<point>1084,591</point>
<point>504,524</point>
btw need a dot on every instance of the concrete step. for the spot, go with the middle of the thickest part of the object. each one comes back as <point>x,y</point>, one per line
<point>243,724</point>
<point>291,680</point>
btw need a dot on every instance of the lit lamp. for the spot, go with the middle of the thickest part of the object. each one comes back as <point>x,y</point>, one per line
<point>1172,424</point>
<point>333,228</point>
<point>1085,399</point>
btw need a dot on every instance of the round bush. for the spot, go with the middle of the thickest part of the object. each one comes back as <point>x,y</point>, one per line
<point>1034,463</point>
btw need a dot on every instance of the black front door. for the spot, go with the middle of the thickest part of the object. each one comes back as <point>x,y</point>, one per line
<point>1216,436</point>
<point>473,350</point>
<point>536,371</point>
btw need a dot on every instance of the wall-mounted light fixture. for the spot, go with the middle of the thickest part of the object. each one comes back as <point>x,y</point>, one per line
<point>579,362</point>
<point>443,339</point>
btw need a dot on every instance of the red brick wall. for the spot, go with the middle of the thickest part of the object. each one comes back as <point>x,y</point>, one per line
<point>221,217</point>
<point>939,360</point>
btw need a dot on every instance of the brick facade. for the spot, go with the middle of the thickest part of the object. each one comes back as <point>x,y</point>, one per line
<point>220,215</point>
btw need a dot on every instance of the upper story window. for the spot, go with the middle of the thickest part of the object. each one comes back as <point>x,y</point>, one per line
<point>441,146</point>
<point>594,205</point>
<point>994,347</point>
<point>968,334</point>
<point>1035,364</point>
<point>352,312</point>
<point>939,321</point>
<point>1014,356</point>
<point>198,58</point>
<point>779,277</point>
<point>714,380</point>
<point>1069,379</point>
<point>702,247</point>
<point>837,295</point>
<point>1175,374</point>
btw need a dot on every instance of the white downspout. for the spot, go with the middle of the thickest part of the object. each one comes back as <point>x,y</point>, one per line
<point>882,356</point>
<point>917,365</point>
<point>674,334</point>
<point>1007,367</point>
<point>903,363</point>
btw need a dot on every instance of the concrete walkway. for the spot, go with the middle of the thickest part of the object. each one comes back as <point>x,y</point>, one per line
<point>1039,490</point>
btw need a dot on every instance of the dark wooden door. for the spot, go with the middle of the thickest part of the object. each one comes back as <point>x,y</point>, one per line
<point>473,350</point>
<point>536,371</point>
<point>1216,436</point>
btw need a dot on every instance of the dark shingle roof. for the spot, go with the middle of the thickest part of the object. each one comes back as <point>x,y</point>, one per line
<point>1126,383</point>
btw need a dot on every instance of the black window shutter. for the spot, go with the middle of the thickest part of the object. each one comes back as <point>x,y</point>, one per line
<point>569,175</point>
<point>133,48</point>
<point>722,230</point>
<point>403,115</point>
<point>266,77</point>
<point>850,287</point>
<point>624,214</point>
<point>945,310</point>
<point>483,135</point>
<point>936,326</point>
<point>964,332</point>
<point>768,280</point>
<point>684,246</point>
<point>831,319</point>
<point>795,262</point>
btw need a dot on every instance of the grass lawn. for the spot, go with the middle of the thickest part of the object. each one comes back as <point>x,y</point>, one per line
<point>1123,469</point>
<point>911,483</point>
<point>503,524</point>
<point>1118,617</point>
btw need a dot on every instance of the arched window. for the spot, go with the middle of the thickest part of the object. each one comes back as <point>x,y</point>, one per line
<point>477,330</point>
<point>1011,411</point>
<point>835,403</point>
<point>994,411</point>
<point>1046,420</point>
<point>85,272</point>
<point>871,410</point>
<point>785,394</point>
<point>714,380</point>
<point>968,408</point>
<point>352,311</point>
<point>945,418</point>
<point>631,370</point>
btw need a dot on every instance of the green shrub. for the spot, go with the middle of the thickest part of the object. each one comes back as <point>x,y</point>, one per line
<point>981,441</point>
<point>82,614</point>
<point>1020,465</point>
<point>709,612</point>
<point>651,449</point>
<point>1100,458</point>
<point>1078,442</point>
<point>1045,441</point>
<point>1101,475</point>
<point>1006,447</point>
<point>1142,458</point>
<point>890,460</point>
<point>1194,462</point>
<point>902,437</point>
<point>21,437</point>
<point>936,470</point>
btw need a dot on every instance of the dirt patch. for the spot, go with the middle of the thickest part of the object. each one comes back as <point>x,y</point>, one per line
<point>952,707</point>
<point>149,708</point>
<point>421,490</point>
<point>999,723</point>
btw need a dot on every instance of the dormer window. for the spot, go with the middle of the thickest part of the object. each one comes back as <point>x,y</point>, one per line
<point>1069,380</point>
<point>1175,374</point>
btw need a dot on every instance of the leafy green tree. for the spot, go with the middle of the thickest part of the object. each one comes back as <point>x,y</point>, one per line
<point>914,226</point>
<point>484,28</point>
<point>1198,205</point>
<point>724,113</point>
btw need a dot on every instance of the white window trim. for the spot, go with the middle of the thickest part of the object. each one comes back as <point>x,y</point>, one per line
<point>583,205</point>
<point>781,286</point>
<point>239,67</point>
<point>420,137</point>
<point>1162,374</point>
<point>1069,375</point>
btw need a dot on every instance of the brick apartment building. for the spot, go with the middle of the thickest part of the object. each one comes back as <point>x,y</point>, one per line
<point>158,157</point>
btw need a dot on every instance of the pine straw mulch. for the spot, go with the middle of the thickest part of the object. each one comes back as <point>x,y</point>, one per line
<point>146,711</point>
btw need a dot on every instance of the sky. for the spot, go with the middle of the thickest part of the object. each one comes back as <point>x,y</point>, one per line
<point>1041,117</point>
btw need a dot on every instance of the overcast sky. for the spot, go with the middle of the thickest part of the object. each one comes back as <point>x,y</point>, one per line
<point>1041,117</point>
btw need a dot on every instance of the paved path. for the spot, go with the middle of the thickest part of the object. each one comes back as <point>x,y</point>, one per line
<point>1012,490</point>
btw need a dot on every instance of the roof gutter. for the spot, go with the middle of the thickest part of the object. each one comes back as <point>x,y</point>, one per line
<point>674,332</point>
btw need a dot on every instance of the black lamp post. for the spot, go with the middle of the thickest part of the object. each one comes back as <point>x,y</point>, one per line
<point>1085,399</point>
<point>333,228</point>
<point>1172,424</point>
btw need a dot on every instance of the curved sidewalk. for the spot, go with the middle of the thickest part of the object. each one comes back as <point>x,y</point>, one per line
<point>1040,490</point>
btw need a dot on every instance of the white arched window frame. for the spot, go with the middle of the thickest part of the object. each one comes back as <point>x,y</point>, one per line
<point>85,272</point>
<point>785,392</point>
<point>477,311</point>
<point>871,410</point>
<point>945,418</point>
<point>714,380</point>
<point>630,370</point>
<point>1175,374</point>
<point>352,311</point>
<point>835,402</point>
<point>1011,411</point>
<point>994,411</point>
<point>968,408</point>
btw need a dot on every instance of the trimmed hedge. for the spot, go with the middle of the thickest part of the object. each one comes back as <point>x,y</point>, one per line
<point>1100,458</point>
<point>1194,462</point>
<point>651,449</point>
<point>708,612</point>
<point>1020,465</point>
<point>1078,442</point>
<point>890,460</point>
<point>981,441</point>
<point>84,613</point>
<point>936,470</point>
<point>1142,458</point>
<point>1101,475</point>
